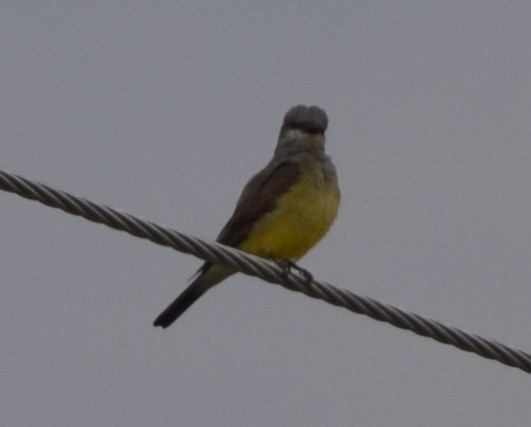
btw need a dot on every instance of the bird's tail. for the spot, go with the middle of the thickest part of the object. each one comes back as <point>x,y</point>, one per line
<point>190,295</point>
<point>206,277</point>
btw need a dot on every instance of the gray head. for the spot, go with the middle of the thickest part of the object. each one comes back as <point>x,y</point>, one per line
<point>310,120</point>
<point>302,131</point>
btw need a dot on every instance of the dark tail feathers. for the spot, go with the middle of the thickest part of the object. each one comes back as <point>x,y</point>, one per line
<point>190,295</point>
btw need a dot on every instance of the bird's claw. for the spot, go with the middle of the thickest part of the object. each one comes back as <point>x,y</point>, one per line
<point>287,266</point>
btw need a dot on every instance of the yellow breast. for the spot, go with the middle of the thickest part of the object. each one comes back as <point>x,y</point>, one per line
<point>301,218</point>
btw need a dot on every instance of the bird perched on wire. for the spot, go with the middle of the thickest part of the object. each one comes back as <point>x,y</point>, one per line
<point>283,211</point>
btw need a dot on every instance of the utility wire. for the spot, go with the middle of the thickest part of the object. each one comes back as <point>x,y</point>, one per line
<point>266,270</point>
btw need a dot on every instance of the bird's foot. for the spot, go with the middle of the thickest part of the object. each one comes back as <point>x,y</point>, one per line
<point>287,266</point>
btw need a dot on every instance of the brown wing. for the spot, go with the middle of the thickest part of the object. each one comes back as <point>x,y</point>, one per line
<point>258,198</point>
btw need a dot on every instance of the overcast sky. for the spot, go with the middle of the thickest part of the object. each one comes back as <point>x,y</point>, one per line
<point>165,110</point>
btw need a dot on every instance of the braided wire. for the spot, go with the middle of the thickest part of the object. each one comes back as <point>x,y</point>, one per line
<point>266,270</point>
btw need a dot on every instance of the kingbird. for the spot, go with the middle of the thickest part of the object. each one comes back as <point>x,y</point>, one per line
<point>283,211</point>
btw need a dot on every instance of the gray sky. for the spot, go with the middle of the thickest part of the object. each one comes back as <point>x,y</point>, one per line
<point>165,111</point>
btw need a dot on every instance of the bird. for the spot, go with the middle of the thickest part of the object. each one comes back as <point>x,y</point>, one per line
<point>283,211</point>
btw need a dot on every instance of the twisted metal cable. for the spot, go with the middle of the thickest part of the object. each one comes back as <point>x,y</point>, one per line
<point>265,270</point>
